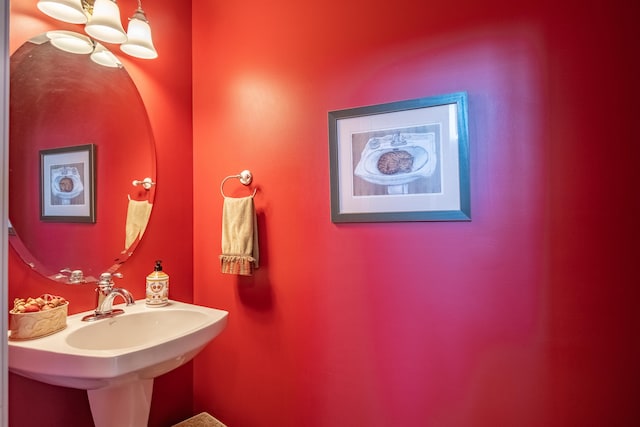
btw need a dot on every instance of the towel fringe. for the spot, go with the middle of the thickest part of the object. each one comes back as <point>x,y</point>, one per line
<point>243,265</point>
<point>239,253</point>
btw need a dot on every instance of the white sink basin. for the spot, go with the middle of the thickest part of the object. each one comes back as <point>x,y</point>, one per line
<point>128,349</point>
<point>141,328</point>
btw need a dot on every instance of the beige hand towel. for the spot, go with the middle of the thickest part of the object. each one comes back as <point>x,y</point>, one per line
<point>138,214</point>
<point>239,236</point>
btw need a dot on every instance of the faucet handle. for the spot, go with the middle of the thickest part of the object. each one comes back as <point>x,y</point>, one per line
<point>106,279</point>
<point>107,276</point>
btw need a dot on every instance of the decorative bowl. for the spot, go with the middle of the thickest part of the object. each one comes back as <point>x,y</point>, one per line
<point>27,326</point>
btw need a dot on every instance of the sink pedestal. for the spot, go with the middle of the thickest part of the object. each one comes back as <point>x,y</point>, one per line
<point>123,405</point>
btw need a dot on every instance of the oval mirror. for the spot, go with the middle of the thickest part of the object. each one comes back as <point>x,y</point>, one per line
<point>79,135</point>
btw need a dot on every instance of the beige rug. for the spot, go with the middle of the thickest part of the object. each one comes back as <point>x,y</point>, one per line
<point>201,420</point>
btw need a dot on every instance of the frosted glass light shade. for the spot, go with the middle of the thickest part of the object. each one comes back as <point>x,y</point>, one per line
<point>104,24</point>
<point>105,57</point>
<point>139,42</point>
<point>69,41</point>
<point>64,10</point>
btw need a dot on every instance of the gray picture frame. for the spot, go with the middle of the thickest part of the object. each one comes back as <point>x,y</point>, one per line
<point>67,184</point>
<point>401,161</point>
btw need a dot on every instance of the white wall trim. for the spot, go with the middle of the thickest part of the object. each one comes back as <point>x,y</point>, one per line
<point>4,188</point>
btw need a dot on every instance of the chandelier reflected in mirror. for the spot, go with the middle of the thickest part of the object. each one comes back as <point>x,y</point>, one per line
<point>101,19</point>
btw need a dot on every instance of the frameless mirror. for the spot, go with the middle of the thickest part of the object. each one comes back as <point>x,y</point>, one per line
<point>79,136</point>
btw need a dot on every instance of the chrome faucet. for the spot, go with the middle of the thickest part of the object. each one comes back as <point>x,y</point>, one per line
<point>106,292</point>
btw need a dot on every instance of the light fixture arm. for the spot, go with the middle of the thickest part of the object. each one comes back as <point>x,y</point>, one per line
<point>87,5</point>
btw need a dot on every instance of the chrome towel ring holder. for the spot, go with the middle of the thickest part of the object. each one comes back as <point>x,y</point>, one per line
<point>245,178</point>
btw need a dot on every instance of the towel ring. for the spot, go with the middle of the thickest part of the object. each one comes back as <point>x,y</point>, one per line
<point>245,178</point>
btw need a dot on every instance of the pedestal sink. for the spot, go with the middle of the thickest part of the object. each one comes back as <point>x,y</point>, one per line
<point>116,359</point>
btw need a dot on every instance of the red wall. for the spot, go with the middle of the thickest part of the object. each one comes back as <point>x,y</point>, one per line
<point>523,316</point>
<point>165,87</point>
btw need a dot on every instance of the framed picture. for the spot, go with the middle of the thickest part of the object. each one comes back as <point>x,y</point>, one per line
<point>67,184</point>
<point>402,161</point>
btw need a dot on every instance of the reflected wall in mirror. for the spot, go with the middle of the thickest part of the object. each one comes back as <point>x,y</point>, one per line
<point>60,99</point>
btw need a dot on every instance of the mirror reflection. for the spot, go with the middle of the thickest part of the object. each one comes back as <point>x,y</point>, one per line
<point>77,127</point>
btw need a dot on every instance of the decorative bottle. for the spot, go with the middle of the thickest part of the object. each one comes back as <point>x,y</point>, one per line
<point>157,287</point>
